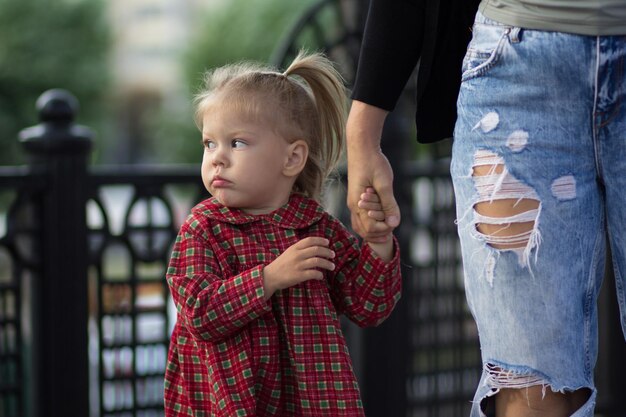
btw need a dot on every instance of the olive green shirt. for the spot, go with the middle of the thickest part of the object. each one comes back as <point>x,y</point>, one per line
<point>584,17</point>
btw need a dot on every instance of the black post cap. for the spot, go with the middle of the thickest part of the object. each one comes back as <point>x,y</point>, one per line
<point>57,105</point>
<point>56,132</point>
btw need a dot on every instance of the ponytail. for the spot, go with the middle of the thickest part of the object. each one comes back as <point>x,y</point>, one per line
<point>328,91</point>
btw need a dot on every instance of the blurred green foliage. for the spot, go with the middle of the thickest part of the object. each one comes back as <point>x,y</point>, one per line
<point>50,44</point>
<point>243,29</point>
<point>237,30</point>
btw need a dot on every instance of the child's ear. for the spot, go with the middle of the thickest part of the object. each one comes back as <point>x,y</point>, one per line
<point>297,154</point>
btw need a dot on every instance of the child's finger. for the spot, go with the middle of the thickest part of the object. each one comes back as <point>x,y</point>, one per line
<point>374,228</point>
<point>366,205</point>
<point>319,263</point>
<point>312,241</point>
<point>371,230</point>
<point>377,215</point>
<point>321,252</point>
<point>370,197</point>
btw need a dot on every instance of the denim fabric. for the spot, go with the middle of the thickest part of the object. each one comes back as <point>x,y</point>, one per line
<point>541,120</point>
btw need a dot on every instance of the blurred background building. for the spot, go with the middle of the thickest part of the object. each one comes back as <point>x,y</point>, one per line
<point>149,42</point>
<point>160,49</point>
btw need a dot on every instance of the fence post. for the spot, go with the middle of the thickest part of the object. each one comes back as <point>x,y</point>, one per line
<point>58,150</point>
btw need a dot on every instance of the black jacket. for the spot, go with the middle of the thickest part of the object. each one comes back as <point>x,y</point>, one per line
<point>398,34</point>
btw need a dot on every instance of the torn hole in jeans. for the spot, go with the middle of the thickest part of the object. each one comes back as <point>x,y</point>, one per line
<point>506,211</point>
<point>499,378</point>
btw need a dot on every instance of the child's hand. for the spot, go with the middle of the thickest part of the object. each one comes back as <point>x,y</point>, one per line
<point>301,262</point>
<point>371,202</point>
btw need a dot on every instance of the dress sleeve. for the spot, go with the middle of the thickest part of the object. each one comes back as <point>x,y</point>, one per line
<point>391,48</point>
<point>363,287</point>
<point>211,307</point>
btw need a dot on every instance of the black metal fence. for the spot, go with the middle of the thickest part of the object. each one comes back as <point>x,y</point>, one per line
<point>84,320</point>
<point>84,309</point>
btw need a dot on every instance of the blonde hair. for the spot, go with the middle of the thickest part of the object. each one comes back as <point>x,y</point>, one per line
<point>307,101</point>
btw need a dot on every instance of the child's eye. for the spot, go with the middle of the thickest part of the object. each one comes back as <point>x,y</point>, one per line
<point>208,144</point>
<point>238,143</point>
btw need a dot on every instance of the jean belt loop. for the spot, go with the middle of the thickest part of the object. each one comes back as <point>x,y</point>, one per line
<point>514,34</point>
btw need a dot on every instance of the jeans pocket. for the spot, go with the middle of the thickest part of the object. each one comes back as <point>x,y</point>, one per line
<point>485,49</point>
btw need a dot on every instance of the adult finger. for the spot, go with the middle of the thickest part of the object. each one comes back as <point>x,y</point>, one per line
<point>368,228</point>
<point>389,206</point>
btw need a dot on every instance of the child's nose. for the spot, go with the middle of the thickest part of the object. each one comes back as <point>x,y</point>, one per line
<point>220,156</point>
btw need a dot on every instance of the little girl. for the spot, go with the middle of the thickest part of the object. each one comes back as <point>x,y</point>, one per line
<point>260,272</point>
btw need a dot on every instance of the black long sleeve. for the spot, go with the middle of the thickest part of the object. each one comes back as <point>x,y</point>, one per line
<point>392,44</point>
<point>401,33</point>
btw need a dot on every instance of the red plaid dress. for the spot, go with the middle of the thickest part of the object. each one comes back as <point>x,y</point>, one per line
<point>232,353</point>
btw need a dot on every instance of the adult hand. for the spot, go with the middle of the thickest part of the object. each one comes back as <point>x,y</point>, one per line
<point>301,262</point>
<point>368,167</point>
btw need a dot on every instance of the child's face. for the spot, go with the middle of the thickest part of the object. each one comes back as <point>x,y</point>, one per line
<point>243,162</point>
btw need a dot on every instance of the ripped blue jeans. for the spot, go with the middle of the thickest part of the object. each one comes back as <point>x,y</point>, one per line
<point>539,171</point>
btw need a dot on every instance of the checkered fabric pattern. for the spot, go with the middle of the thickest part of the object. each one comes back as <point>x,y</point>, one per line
<point>232,353</point>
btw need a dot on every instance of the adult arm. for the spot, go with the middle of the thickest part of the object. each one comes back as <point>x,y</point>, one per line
<point>392,44</point>
<point>369,167</point>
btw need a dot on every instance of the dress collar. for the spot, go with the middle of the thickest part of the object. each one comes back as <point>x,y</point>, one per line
<point>299,212</point>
